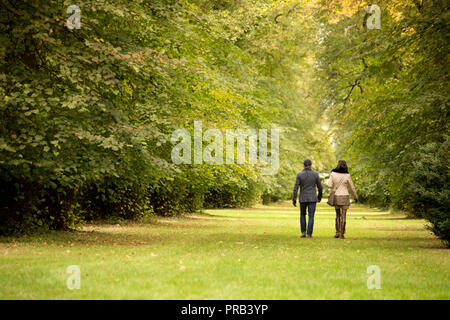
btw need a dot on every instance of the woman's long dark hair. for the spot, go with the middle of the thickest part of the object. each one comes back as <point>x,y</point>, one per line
<point>341,167</point>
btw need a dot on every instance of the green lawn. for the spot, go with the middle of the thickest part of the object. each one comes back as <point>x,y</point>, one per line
<point>231,254</point>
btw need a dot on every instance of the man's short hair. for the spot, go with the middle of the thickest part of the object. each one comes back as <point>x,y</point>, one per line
<point>307,163</point>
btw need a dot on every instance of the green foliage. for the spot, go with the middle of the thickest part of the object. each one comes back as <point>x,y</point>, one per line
<point>430,192</point>
<point>87,113</point>
<point>66,109</point>
<point>180,193</point>
<point>114,198</point>
<point>387,95</point>
<point>241,190</point>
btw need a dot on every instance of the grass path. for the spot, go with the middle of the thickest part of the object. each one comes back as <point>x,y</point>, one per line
<point>231,254</point>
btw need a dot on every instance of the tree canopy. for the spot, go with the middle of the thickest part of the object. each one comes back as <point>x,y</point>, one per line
<point>88,113</point>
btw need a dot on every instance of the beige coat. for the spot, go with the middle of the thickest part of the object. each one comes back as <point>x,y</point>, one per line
<point>334,179</point>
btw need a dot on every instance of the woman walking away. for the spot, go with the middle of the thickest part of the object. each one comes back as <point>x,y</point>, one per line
<point>339,181</point>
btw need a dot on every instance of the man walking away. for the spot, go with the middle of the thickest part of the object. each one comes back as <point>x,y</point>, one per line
<point>307,180</point>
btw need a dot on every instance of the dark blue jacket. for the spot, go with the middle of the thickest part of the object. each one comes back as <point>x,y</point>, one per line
<point>307,180</point>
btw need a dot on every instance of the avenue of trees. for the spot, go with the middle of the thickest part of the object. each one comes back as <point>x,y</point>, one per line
<point>87,114</point>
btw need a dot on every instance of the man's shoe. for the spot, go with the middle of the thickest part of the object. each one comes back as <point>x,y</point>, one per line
<point>303,235</point>
<point>309,236</point>
<point>342,236</point>
<point>336,235</point>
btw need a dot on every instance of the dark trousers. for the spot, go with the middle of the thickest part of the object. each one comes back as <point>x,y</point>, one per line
<point>311,206</point>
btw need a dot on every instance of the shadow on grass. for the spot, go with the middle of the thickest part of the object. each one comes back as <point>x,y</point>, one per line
<point>129,234</point>
<point>331,242</point>
<point>179,228</point>
<point>136,238</point>
<point>90,238</point>
<point>350,215</point>
<point>379,217</point>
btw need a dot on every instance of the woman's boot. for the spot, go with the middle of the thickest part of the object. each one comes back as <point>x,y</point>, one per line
<point>342,224</point>
<point>338,218</point>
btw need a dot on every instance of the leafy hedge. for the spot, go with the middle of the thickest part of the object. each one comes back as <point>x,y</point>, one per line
<point>429,188</point>
<point>87,114</point>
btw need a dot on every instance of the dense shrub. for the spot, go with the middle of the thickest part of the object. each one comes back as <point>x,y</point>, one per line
<point>179,193</point>
<point>240,191</point>
<point>115,199</point>
<point>31,206</point>
<point>430,187</point>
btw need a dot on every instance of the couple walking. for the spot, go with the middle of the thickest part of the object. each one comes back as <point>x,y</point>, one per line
<point>308,181</point>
